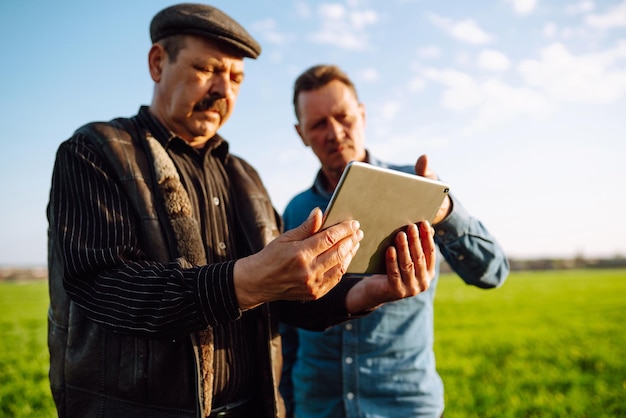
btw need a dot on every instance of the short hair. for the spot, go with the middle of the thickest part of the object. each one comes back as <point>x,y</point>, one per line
<point>173,45</point>
<point>317,77</point>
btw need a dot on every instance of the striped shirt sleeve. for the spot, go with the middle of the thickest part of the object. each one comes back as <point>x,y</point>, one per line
<point>106,271</point>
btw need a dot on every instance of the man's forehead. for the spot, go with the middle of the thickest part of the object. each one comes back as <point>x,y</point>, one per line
<point>327,100</point>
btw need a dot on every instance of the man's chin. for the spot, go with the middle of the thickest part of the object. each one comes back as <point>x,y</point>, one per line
<point>208,125</point>
<point>341,159</point>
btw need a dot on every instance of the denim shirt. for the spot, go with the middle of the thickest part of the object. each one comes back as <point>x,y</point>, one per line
<point>383,364</point>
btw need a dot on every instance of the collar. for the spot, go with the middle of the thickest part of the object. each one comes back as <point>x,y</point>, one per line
<point>167,138</point>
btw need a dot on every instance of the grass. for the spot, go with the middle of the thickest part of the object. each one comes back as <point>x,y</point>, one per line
<point>546,344</point>
<point>24,389</point>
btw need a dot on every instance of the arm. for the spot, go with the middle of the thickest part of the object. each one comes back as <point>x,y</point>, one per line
<point>469,248</point>
<point>465,243</point>
<point>410,268</point>
<point>108,274</point>
<point>106,271</point>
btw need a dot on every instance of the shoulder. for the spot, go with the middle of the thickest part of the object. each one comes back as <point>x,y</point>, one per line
<point>99,132</point>
<point>302,198</point>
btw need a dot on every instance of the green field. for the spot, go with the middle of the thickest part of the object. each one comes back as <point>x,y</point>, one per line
<point>546,344</point>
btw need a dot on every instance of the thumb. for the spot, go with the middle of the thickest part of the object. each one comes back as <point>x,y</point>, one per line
<point>310,226</point>
<point>421,166</point>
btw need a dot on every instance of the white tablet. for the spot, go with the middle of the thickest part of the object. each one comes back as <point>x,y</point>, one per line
<point>384,202</point>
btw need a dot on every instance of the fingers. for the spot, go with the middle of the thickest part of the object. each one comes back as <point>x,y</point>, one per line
<point>416,254</point>
<point>329,252</point>
<point>338,247</point>
<point>427,232</point>
<point>411,264</point>
<point>335,243</point>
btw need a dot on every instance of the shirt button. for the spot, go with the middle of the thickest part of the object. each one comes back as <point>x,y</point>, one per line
<point>348,327</point>
<point>216,201</point>
<point>441,232</point>
<point>221,245</point>
<point>461,257</point>
<point>348,360</point>
<point>349,396</point>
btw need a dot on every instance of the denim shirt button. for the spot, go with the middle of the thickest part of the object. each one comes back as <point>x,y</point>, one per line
<point>348,327</point>
<point>348,360</point>
<point>349,396</point>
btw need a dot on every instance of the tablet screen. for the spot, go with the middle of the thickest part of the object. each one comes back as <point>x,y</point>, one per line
<point>384,202</point>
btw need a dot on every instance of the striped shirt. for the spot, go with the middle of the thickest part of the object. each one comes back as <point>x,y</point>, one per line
<point>109,275</point>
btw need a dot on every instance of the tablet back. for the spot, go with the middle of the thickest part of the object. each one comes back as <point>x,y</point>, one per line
<point>384,201</point>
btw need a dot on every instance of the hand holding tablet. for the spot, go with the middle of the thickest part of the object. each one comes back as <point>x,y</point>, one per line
<point>384,201</point>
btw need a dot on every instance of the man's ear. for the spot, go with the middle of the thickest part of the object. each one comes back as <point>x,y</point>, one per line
<point>302,137</point>
<point>156,59</point>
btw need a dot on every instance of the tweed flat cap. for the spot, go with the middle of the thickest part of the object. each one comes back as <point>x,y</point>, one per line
<point>203,20</point>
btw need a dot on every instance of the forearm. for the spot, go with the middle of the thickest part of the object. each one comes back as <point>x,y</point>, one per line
<point>323,313</point>
<point>470,249</point>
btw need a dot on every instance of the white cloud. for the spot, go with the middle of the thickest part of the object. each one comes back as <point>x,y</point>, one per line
<point>268,31</point>
<point>550,30</point>
<point>464,30</point>
<point>461,90</point>
<point>361,19</point>
<point>582,7</point>
<point>592,78</point>
<point>417,84</point>
<point>332,11</point>
<point>344,27</point>
<point>368,75</point>
<point>303,10</point>
<point>501,103</point>
<point>492,60</point>
<point>523,7</point>
<point>431,51</point>
<point>388,110</point>
<point>490,102</point>
<point>405,147</point>
<point>614,18</point>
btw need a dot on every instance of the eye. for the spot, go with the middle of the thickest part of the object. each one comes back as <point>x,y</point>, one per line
<point>236,78</point>
<point>204,69</point>
<point>319,124</point>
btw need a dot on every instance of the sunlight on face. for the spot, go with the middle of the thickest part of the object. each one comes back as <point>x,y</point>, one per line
<point>332,123</point>
<point>196,94</point>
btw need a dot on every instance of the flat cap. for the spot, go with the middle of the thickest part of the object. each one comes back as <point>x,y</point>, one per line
<point>206,21</point>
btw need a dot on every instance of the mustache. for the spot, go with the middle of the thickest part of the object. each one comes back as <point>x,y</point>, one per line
<point>214,103</point>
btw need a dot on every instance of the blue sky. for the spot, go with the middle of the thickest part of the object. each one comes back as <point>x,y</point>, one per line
<point>520,104</point>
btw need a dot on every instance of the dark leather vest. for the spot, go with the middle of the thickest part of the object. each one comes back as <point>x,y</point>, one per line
<point>96,372</point>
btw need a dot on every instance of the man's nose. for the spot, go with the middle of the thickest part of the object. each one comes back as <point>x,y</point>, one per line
<point>335,130</point>
<point>221,85</point>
